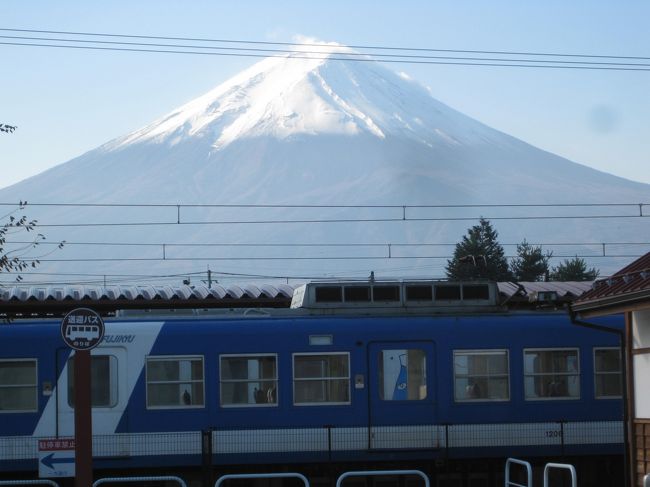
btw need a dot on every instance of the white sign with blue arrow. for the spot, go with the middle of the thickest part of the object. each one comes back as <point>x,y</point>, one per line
<point>56,457</point>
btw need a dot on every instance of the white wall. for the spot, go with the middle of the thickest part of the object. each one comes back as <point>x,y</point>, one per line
<point>641,363</point>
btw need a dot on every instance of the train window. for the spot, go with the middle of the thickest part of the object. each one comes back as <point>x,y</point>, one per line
<point>481,375</point>
<point>329,294</point>
<point>402,375</point>
<point>248,380</point>
<point>321,378</point>
<point>18,386</point>
<point>174,382</point>
<point>418,292</point>
<point>476,291</point>
<point>552,373</point>
<point>357,294</point>
<point>103,380</point>
<point>448,293</point>
<point>385,293</point>
<point>607,373</point>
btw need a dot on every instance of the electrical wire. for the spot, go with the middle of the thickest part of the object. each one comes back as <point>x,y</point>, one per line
<point>354,56</point>
<point>504,63</point>
<point>305,44</point>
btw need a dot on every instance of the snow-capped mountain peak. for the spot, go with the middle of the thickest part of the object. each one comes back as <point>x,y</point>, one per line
<point>309,92</point>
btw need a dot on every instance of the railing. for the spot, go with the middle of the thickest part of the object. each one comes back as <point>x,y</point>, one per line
<point>560,466</point>
<point>52,483</point>
<point>119,480</point>
<point>378,473</point>
<point>529,473</point>
<point>283,475</point>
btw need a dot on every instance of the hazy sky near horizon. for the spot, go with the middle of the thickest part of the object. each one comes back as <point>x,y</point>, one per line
<point>67,101</point>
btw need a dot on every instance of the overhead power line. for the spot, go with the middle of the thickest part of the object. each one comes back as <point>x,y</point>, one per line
<point>333,221</point>
<point>396,213</point>
<point>313,244</point>
<point>300,258</point>
<point>577,62</point>
<point>307,44</point>
<point>334,206</point>
<point>302,54</point>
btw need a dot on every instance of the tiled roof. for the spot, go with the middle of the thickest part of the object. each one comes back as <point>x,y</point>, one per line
<point>568,289</point>
<point>58,299</point>
<point>629,284</point>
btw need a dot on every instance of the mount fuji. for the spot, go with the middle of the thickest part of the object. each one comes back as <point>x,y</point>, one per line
<point>314,139</point>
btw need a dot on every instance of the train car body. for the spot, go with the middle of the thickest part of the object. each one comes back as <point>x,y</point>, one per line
<point>291,386</point>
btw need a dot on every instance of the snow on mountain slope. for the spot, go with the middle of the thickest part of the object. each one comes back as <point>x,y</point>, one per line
<point>315,131</point>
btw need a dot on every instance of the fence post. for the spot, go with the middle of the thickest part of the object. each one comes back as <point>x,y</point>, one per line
<point>206,456</point>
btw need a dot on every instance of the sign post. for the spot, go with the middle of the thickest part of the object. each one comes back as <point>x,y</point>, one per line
<point>82,329</point>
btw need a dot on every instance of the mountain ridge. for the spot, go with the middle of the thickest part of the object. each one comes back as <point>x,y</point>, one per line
<point>322,132</point>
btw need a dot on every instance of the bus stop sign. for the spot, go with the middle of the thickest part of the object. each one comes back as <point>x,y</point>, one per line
<point>82,329</point>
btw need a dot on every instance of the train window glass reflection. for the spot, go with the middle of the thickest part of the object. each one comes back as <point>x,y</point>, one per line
<point>402,375</point>
<point>481,375</point>
<point>552,373</point>
<point>103,381</point>
<point>607,373</point>
<point>249,380</point>
<point>174,382</point>
<point>18,386</point>
<point>321,378</point>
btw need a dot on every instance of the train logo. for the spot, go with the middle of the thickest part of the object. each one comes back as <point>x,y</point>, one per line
<point>82,329</point>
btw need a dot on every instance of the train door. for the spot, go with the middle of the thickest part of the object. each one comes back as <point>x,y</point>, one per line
<point>402,412</point>
<point>108,390</point>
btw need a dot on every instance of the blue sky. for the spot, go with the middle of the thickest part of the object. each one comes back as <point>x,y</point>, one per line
<point>66,102</point>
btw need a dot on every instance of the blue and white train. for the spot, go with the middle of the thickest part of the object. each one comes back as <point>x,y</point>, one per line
<point>359,372</point>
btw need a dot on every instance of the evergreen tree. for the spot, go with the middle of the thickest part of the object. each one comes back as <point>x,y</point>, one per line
<point>479,256</point>
<point>574,270</point>
<point>531,264</point>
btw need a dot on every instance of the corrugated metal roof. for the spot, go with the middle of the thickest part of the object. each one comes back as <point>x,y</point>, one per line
<point>631,282</point>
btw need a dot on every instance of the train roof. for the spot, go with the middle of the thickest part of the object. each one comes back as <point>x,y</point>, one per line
<point>55,301</point>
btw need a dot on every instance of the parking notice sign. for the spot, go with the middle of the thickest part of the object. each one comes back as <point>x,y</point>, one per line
<point>56,457</point>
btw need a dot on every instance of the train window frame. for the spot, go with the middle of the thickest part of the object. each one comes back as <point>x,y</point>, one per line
<point>601,373</point>
<point>21,385</point>
<point>177,358</point>
<point>113,382</point>
<point>272,392</point>
<point>296,380</point>
<point>419,391</point>
<point>550,396</point>
<point>488,375</point>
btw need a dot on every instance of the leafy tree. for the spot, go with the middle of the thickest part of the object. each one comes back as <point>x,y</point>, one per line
<point>531,263</point>
<point>479,255</point>
<point>18,259</point>
<point>7,128</point>
<point>574,270</point>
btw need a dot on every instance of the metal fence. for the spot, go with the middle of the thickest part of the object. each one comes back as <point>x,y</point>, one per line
<point>329,440</point>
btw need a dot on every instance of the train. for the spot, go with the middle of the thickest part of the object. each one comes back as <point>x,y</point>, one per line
<point>424,374</point>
